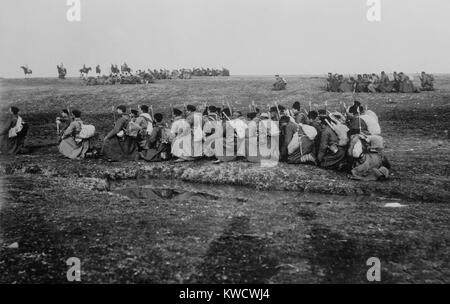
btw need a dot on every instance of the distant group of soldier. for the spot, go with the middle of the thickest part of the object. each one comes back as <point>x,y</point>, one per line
<point>373,83</point>
<point>125,75</point>
<point>140,77</point>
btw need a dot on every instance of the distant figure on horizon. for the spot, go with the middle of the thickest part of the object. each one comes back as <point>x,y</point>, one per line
<point>280,83</point>
<point>114,69</point>
<point>125,68</point>
<point>62,71</point>
<point>85,70</point>
<point>426,82</point>
<point>26,70</point>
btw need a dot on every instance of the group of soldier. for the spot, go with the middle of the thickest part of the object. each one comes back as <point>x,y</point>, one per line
<point>372,83</point>
<point>125,75</point>
<point>140,77</point>
<point>347,140</point>
<point>185,73</point>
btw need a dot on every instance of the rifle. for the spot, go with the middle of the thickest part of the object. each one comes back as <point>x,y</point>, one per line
<point>359,120</point>
<point>70,113</point>
<point>171,112</point>
<point>226,116</point>
<point>278,110</point>
<point>326,105</point>
<point>223,110</point>
<point>309,106</point>
<point>343,109</point>
<point>152,115</point>
<point>300,140</point>
<point>57,131</point>
<point>114,114</point>
<point>229,107</point>
<point>184,109</point>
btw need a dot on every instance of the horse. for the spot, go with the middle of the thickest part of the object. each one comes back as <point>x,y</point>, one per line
<point>125,68</point>
<point>85,70</point>
<point>62,71</point>
<point>114,69</point>
<point>26,70</point>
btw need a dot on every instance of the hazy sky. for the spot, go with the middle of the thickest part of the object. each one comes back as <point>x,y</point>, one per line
<point>246,36</point>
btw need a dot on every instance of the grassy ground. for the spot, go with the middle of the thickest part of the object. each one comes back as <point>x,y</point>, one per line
<point>57,208</point>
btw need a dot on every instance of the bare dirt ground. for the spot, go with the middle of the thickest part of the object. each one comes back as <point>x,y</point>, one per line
<point>197,222</point>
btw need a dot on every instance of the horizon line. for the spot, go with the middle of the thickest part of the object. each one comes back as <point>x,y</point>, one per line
<point>239,75</point>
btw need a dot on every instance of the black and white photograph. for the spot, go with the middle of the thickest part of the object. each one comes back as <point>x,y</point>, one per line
<point>223,142</point>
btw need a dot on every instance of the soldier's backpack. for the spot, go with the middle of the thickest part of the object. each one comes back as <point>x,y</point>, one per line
<point>133,129</point>
<point>87,131</point>
<point>166,136</point>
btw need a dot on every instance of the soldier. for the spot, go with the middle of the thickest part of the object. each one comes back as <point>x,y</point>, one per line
<point>372,164</point>
<point>280,83</point>
<point>62,123</point>
<point>296,114</point>
<point>426,82</point>
<point>385,85</point>
<point>61,71</point>
<point>329,81</point>
<point>345,84</point>
<point>72,146</point>
<point>211,131</point>
<point>117,145</point>
<point>12,133</point>
<point>181,132</point>
<point>406,85</point>
<point>373,83</point>
<point>158,145</point>
<point>331,154</point>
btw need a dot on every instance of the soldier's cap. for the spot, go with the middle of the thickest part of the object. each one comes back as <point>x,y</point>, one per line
<point>322,112</point>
